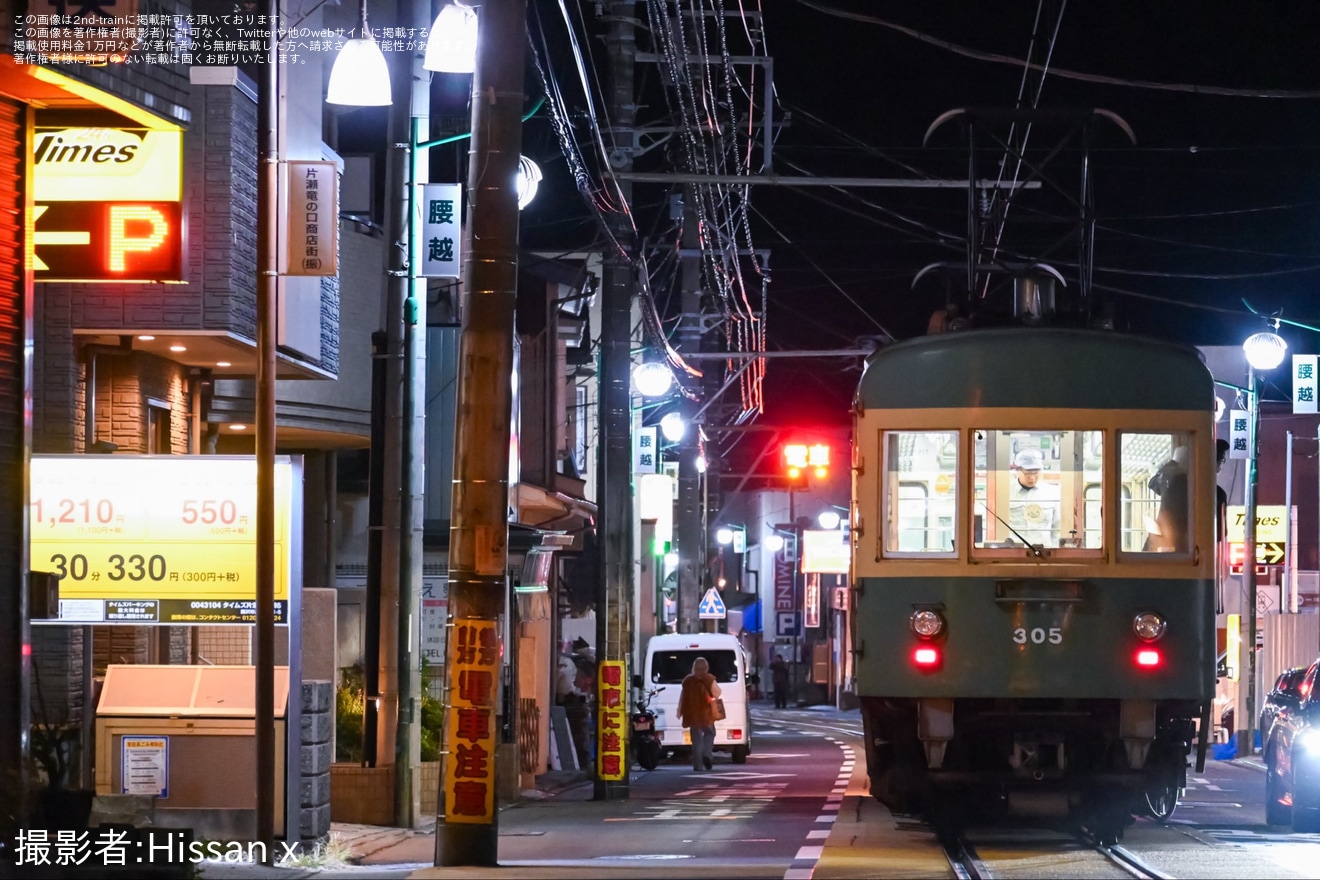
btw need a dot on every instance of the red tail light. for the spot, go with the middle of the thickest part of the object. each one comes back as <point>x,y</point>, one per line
<point>735,733</point>
<point>1149,658</point>
<point>926,657</point>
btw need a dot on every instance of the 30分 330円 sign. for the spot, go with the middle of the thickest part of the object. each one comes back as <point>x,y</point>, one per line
<point>157,539</point>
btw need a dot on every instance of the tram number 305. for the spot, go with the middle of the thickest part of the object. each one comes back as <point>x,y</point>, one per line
<point>1038,635</point>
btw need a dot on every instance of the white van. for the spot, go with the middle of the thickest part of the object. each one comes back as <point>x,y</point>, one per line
<point>669,660</point>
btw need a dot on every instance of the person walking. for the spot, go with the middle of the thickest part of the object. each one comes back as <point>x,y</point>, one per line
<point>779,681</point>
<point>698,691</point>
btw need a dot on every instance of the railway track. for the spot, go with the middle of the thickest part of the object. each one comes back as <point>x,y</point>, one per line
<point>1032,857</point>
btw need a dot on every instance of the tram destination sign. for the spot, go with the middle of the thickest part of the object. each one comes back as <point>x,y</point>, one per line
<point>158,539</point>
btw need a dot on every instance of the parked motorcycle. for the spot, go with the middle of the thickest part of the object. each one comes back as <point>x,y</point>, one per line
<point>645,741</point>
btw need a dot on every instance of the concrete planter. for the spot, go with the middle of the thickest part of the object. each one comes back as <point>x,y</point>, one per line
<point>361,795</point>
<point>365,795</point>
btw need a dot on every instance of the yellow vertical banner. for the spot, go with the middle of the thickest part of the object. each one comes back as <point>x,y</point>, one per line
<point>611,721</point>
<point>469,781</point>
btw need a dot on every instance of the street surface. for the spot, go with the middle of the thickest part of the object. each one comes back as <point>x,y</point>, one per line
<point>798,809</point>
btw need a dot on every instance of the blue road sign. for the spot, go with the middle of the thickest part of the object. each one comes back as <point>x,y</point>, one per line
<point>712,606</point>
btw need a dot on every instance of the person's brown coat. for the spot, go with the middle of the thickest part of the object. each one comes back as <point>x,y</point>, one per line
<point>694,708</point>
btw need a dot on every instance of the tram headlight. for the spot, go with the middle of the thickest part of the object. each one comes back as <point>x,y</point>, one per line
<point>927,624</point>
<point>1149,626</point>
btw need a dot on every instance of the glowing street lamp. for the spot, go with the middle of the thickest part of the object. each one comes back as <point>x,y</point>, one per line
<point>452,45</point>
<point>653,379</point>
<point>360,77</point>
<point>1264,351</point>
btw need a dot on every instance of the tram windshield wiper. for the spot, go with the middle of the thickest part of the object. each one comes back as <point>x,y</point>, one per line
<point>1034,549</point>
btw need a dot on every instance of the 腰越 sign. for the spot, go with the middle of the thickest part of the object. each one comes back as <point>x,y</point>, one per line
<point>107,204</point>
<point>158,539</point>
<point>1239,434</point>
<point>440,208</point>
<point>646,451</point>
<point>1304,383</point>
<point>313,218</point>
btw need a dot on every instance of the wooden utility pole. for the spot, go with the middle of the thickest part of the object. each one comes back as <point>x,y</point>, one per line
<point>614,585</point>
<point>691,541</point>
<point>467,827</point>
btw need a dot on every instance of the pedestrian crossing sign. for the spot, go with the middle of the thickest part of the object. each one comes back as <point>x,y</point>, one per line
<point>712,606</point>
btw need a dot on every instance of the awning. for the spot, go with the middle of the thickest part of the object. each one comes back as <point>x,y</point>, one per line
<point>553,511</point>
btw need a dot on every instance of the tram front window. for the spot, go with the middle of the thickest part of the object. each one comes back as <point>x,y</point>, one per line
<point>1156,491</point>
<point>921,471</point>
<point>1038,488</point>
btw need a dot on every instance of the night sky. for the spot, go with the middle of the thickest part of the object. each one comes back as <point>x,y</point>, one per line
<point>1217,202</point>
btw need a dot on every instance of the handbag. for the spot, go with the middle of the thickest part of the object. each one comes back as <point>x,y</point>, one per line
<point>717,708</point>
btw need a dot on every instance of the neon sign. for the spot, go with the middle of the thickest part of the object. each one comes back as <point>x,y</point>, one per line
<point>108,204</point>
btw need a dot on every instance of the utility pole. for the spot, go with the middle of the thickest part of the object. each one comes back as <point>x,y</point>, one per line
<point>467,828</point>
<point>410,116</point>
<point>268,166</point>
<point>614,585</point>
<point>397,488</point>
<point>691,541</point>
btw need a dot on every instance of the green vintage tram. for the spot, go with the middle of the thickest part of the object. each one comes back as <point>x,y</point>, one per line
<point>1033,562</point>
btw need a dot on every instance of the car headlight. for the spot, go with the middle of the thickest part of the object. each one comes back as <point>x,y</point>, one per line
<point>1309,740</point>
<point>1149,626</point>
<point>927,624</point>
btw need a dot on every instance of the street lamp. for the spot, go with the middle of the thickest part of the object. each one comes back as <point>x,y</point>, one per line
<point>1264,351</point>
<point>452,45</point>
<point>359,77</point>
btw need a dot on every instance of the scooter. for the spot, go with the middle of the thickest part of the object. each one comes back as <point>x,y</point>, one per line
<point>645,743</point>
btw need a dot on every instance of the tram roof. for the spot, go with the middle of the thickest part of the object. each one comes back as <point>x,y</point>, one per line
<point>1036,367</point>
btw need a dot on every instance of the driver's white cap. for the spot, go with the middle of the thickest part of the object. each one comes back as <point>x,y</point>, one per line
<point>1029,460</point>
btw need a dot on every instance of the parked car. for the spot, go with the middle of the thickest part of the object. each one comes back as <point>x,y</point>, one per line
<point>1291,749</point>
<point>1287,692</point>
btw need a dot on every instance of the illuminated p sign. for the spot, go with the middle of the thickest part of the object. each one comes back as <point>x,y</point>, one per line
<point>134,229</point>
<point>108,241</point>
<point>107,204</point>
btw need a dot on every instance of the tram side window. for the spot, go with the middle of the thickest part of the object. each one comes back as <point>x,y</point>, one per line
<point>1156,490</point>
<point>1040,488</point>
<point>920,491</point>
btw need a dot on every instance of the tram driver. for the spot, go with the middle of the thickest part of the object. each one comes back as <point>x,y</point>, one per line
<point>1033,509</point>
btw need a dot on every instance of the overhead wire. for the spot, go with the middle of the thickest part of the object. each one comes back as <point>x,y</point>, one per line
<point>1061,73</point>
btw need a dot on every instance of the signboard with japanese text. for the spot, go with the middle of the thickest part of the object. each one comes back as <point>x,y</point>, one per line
<point>439,213</point>
<point>313,217</point>
<point>165,539</point>
<point>469,777</point>
<point>612,720</point>
<point>145,767</point>
<point>646,452</point>
<point>811,601</point>
<point>435,611</point>
<point>1304,383</point>
<point>107,204</point>
<point>1239,434</point>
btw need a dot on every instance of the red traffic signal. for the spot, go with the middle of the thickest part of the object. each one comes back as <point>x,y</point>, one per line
<point>799,457</point>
